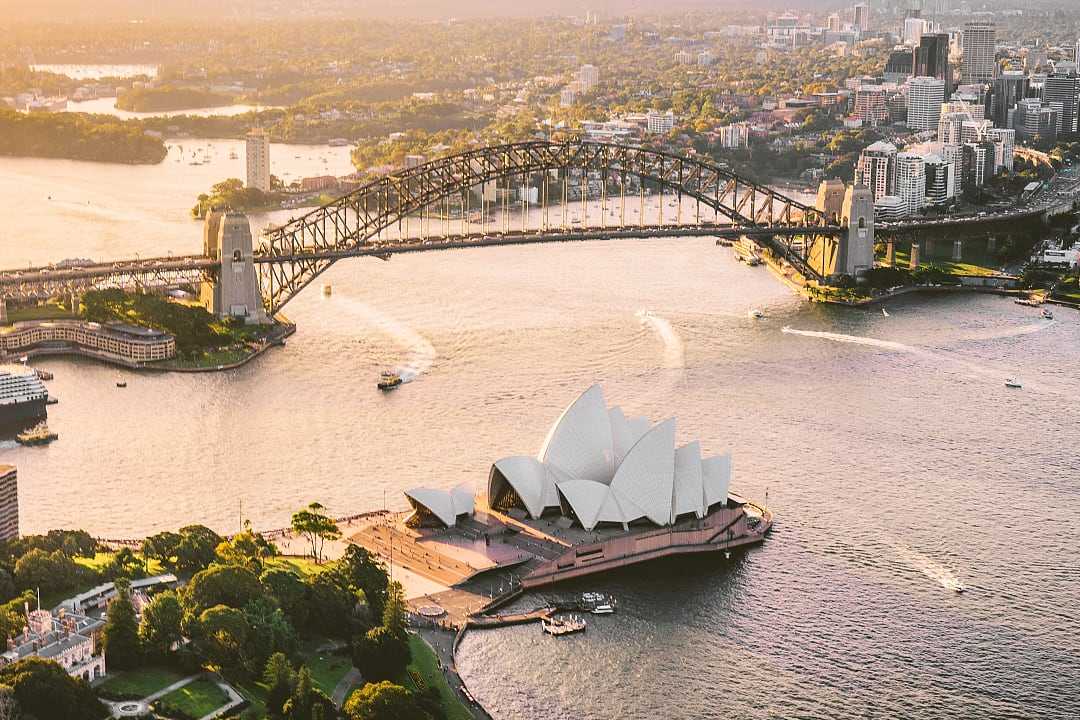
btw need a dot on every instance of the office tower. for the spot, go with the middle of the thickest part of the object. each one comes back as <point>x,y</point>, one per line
<point>1035,121</point>
<point>1010,87</point>
<point>978,43</point>
<point>949,125</point>
<point>875,169</point>
<point>862,17</point>
<point>925,95</point>
<point>978,164</point>
<point>588,76</point>
<point>909,182</point>
<point>1063,88</point>
<point>9,502</point>
<point>932,59</point>
<point>900,66</point>
<point>258,160</point>
<point>833,23</point>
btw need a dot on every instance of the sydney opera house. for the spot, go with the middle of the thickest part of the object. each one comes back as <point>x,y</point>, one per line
<point>599,467</point>
<point>605,491</point>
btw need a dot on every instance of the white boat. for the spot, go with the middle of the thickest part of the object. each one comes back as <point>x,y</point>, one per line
<point>755,314</point>
<point>959,587</point>
<point>604,609</point>
<point>884,312</point>
<point>1012,382</point>
<point>1048,313</point>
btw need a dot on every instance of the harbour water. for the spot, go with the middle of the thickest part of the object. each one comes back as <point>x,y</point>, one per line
<point>896,461</point>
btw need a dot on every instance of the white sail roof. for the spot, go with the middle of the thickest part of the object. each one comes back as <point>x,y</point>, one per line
<point>716,478</point>
<point>579,443</point>
<point>610,468</point>
<point>446,505</point>
<point>647,474</point>
<point>689,492</point>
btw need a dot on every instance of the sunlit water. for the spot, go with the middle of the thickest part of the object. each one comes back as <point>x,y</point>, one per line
<point>897,462</point>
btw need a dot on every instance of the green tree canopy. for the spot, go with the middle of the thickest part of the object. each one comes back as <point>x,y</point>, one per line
<point>120,636</point>
<point>383,701</point>
<point>314,524</point>
<point>161,623</point>
<point>230,585</point>
<point>45,691</point>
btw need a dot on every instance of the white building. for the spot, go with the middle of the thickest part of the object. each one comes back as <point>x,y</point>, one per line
<point>683,57</point>
<point>940,180</point>
<point>598,466</point>
<point>736,135</point>
<point>875,169</point>
<point>588,77</point>
<point>925,95</point>
<point>258,159</point>
<point>1004,140</point>
<point>914,29</point>
<point>658,123</point>
<point>910,181</point>
<point>568,95</point>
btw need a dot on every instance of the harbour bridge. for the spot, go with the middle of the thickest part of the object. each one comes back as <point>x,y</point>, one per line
<point>535,187</point>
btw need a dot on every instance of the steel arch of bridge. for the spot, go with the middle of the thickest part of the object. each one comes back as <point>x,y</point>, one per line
<point>289,258</point>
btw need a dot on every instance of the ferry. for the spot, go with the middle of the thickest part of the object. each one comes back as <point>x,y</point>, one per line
<point>559,627</point>
<point>389,380</point>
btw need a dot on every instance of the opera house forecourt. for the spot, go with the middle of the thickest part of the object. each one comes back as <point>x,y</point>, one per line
<point>604,491</point>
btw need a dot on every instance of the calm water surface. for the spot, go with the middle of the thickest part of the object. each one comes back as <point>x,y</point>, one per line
<point>896,460</point>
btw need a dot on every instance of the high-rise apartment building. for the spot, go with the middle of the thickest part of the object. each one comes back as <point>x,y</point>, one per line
<point>1036,121</point>
<point>925,95</point>
<point>1063,88</point>
<point>940,180</point>
<point>978,164</point>
<point>9,502</point>
<point>932,59</point>
<point>1004,140</point>
<point>909,182</point>
<point>914,29</point>
<point>875,169</point>
<point>980,37</point>
<point>588,77</point>
<point>658,123</point>
<point>870,105</point>
<point>257,155</point>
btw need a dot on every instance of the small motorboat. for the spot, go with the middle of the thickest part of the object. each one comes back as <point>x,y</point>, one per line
<point>603,609</point>
<point>1012,382</point>
<point>1048,313</point>
<point>389,380</point>
<point>755,314</point>
<point>121,384</point>
<point>327,290</point>
<point>959,587</point>
<point>884,312</point>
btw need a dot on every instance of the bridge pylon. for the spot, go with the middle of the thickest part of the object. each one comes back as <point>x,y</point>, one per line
<point>234,292</point>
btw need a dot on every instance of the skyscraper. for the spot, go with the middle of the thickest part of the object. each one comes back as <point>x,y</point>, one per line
<point>925,95</point>
<point>9,503</point>
<point>862,17</point>
<point>910,181</point>
<point>980,36</point>
<point>932,59</point>
<point>258,160</point>
<point>1010,87</point>
<point>1064,88</point>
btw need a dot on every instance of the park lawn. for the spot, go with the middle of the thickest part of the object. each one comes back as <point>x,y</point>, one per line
<point>426,665</point>
<point>974,266</point>
<point>48,311</point>
<point>101,559</point>
<point>302,566</point>
<point>141,682</point>
<point>255,693</point>
<point>327,669</point>
<point>196,699</point>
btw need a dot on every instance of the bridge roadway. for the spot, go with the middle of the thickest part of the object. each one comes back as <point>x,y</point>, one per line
<point>175,270</point>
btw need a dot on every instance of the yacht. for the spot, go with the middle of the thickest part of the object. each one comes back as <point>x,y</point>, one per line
<point>1012,382</point>
<point>389,380</point>
<point>603,609</point>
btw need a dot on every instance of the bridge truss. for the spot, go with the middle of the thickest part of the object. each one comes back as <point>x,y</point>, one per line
<point>293,255</point>
<point>37,283</point>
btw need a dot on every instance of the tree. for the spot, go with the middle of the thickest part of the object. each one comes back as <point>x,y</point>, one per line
<point>394,612</point>
<point>379,654</point>
<point>270,633</point>
<point>120,636</point>
<point>383,701</point>
<point>222,633</point>
<point>161,622</point>
<point>328,607</point>
<point>314,524</point>
<point>9,704</point>
<point>162,547</point>
<point>124,564</point>
<point>196,548</point>
<point>308,702</point>
<point>360,571</point>
<point>229,585</point>
<point>45,690</point>
<point>280,679</point>
<point>246,548</point>
<point>47,571</point>
<point>289,591</point>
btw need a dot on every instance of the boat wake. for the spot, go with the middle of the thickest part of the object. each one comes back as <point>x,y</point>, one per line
<point>927,566</point>
<point>856,340</point>
<point>674,347</point>
<point>421,353</point>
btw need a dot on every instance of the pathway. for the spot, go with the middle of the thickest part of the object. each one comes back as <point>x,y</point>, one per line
<point>345,684</point>
<point>234,700</point>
